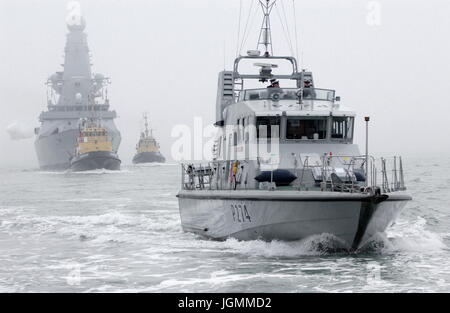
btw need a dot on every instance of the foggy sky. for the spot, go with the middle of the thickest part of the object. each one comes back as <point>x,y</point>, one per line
<point>163,56</point>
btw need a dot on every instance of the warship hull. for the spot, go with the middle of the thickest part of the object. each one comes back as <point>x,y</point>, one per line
<point>55,150</point>
<point>95,160</point>
<point>148,157</point>
<point>288,215</point>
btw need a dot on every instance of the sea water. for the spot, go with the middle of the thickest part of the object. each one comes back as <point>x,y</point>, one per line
<point>106,231</point>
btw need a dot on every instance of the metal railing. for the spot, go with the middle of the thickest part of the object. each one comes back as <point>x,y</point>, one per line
<point>288,94</point>
<point>354,175</point>
<point>196,177</point>
<point>337,173</point>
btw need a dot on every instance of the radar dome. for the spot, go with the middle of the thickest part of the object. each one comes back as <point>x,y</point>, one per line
<point>78,97</point>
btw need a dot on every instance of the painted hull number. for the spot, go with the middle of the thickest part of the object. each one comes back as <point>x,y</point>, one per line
<point>240,213</point>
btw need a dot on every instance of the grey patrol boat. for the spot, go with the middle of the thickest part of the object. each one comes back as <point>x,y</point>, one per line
<point>73,94</point>
<point>285,166</point>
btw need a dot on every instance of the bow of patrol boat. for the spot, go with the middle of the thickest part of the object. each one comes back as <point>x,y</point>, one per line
<point>288,215</point>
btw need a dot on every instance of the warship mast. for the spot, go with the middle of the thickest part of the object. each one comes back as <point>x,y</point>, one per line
<point>265,34</point>
<point>77,67</point>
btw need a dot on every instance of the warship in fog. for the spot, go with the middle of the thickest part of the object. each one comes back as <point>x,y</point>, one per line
<point>73,94</point>
<point>147,149</point>
<point>312,181</point>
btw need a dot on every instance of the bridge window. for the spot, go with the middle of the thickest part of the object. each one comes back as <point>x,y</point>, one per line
<point>306,128</point>
<point>342,128</point>
<point>268,127</point>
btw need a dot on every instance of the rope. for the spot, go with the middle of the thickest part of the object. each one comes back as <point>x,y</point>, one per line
<point>284,30</point>
<point>295,25</point>
<point>239,28</point>
<point>251,24</point>
<point>246,26</point>
<point>287,26</point>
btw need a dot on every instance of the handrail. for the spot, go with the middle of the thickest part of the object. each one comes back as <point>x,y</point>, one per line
<point>353,176</point>
<point>291,59</point>
<point>289,93</point>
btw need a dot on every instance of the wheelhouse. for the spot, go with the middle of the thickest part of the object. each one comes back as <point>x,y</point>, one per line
<point>294,127</point>
<point>277,94</point>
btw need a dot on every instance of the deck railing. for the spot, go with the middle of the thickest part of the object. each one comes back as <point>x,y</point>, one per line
<point>337,173</point>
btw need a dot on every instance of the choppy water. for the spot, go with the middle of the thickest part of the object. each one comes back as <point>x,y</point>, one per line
<point>120,231</point>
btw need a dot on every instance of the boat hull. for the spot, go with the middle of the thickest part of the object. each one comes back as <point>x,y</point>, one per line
<point>148,157</point>
<point>95,160</point>
<point>286,215</point>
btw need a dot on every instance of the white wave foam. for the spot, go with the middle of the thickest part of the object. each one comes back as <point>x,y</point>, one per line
<point>113,227</point>
<point>154,164</point>
<point>114,200</point>
<point>41,172</point>
<point>111,218</point>
<point>414,237</point>
<point>407,236</point>
<point>404,237</point>
<point>313,245</point>
<point>93,172</point>
<point>100,171</point>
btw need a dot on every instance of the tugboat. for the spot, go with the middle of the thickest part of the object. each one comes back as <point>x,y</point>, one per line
<point>94,148</point>
<point>73,93</point>
<point>313,180</point>
<point>147,149</point>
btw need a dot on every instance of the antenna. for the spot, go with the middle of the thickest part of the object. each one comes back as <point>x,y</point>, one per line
<point>224,54</point>
<point>265,34</point>
<point>146,124</point>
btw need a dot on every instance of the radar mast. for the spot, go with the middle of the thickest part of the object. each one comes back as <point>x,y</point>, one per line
<point>146,125</point>
<point>265,34</point>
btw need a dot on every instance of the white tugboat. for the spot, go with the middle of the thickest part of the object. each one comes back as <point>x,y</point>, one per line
<point>285,166</point>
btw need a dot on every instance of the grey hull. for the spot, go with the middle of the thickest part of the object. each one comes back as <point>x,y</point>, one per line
<point>54,151</point>
<point>148,157</point>
<point>96,160</point>
<point>286,215</point>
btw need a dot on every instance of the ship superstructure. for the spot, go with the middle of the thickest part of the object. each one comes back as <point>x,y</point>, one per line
<point>147,149</point>
<point>285,166</point>
<point>73,93</point>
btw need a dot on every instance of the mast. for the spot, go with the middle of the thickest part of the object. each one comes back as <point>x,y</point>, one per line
<point>76,58</point>
<point>265,34</point>
<point>76,84</point>
<point>146,124</point>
